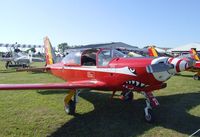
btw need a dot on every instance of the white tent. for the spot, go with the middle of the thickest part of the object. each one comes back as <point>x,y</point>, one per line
<point>4,49</point>
<point>186,47</point>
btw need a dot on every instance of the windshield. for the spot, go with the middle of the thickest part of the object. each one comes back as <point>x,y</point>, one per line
<point>88,57</point>
<point>73,58</point>
<point>106,55</point>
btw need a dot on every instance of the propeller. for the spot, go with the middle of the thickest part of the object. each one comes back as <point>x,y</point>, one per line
<point>160,67</point>
<point>172,65</point>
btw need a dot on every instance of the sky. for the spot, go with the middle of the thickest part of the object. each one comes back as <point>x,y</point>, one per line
<point>164,23</point>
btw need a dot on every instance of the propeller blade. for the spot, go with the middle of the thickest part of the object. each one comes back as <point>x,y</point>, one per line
<point>160,67</point>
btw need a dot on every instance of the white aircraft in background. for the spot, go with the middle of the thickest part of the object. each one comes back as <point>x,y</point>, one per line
<point>17,58</point>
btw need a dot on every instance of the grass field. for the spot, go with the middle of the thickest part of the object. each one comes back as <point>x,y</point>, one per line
<point>40,112</point>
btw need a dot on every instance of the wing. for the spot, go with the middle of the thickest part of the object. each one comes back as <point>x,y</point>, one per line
<point>35,59</point>
<point>67,85</point>
<point>6,59</point>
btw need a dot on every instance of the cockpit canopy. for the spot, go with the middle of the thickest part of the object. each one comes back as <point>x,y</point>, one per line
<point>92,57</point>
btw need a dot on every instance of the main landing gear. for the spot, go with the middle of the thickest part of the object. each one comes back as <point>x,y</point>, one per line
<point>196,76</point>
<point>69,104</point>
<point>127,95</point>
<point>151,102</point>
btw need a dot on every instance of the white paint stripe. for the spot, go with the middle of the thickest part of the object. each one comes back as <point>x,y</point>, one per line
<point>174,61</point>
<point>160,59</point>
<point>182,65</point>
<point>123,70</point>
<point>55,67</point>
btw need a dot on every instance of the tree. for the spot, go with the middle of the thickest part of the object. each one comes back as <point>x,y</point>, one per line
<point>62,47</point>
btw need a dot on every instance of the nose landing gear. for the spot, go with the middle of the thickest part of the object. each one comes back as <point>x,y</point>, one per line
<point>151,102</point>
<point>148,113</point>
<point>197,76</point>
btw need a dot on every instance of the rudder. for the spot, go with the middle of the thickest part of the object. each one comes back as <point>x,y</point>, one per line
<point>194,54</point>
<point>152,51</point>
<point>49,52</point>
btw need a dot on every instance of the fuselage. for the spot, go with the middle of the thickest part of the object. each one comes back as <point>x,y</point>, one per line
<point>117,74</point>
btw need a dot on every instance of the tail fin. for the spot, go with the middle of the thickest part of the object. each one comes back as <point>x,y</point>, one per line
<point>194,54</point>
<point>152,51</point>
<point>49,52</point>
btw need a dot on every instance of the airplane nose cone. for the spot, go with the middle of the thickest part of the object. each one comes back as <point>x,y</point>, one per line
<point>163,68</point>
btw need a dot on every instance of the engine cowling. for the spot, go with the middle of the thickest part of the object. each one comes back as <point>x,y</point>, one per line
<point>163,68</point>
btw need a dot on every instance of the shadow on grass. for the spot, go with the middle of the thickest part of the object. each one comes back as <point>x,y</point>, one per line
<point>122,119</point>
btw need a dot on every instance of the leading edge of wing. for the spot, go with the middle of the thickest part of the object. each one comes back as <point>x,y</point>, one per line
<point>67,85</point>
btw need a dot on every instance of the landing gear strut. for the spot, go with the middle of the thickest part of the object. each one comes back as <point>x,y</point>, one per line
<point>148,113</point>
<point>69,104</point>
<point>151,102</point>
<point>196,77</point>
<point>127,95</point>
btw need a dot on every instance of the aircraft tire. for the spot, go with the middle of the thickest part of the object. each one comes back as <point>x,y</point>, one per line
<point>128,97</point>
<point>150,117</point>
<point>196,77</point>
<point>70,108</point>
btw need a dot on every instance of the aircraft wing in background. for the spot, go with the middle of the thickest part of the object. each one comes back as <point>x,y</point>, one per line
<point>6,59</point>
<point>32,69</point>
<point>37,59</point>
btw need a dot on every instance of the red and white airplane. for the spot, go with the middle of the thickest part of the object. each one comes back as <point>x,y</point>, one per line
<point>196,67</point>
<point>110,70</point>
<point>192,55</point>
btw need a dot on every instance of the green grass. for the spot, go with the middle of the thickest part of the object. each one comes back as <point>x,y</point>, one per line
<point>40,112</point>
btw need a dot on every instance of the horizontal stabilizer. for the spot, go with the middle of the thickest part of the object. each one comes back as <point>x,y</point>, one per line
<point>32,69</point>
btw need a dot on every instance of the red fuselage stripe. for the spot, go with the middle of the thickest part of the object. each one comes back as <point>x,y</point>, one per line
<point>178,66</point>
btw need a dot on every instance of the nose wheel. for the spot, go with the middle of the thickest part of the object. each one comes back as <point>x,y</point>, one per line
<point>148,113</point>
<point>151,102</point>
<point>196,77</point>
<point>149,118</point>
